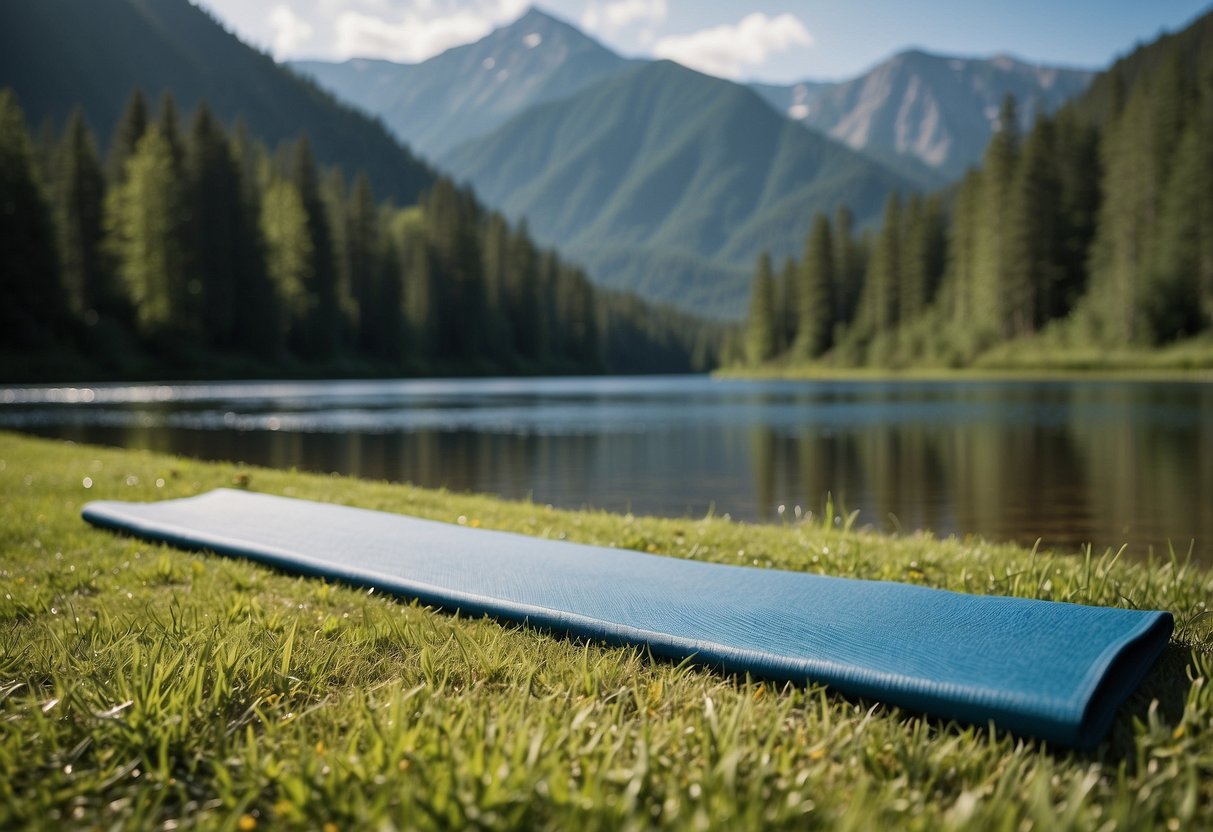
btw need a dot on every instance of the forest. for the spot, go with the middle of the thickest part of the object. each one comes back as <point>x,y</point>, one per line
<point>1092,232</point>
<point>191,248</point>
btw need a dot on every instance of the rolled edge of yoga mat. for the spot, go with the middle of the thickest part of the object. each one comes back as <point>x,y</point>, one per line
<point>1047,669</point>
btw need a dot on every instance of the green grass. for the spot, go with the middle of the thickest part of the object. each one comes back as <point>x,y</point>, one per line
<point>146,687</point>
<point>1046,356</point>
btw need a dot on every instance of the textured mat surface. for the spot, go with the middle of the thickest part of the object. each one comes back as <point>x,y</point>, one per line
<point>1051,670</point>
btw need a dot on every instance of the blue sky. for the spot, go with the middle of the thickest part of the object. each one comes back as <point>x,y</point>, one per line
<point>775,41</point>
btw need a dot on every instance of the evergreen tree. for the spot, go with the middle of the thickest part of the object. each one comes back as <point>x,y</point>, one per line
<point>216,221</point>
<point>760,326</point>
<point>959,294</point>
<point>363,254</point>
<point>883,280</point>
<point>32,311</point>
<point>1179,302</point>
<point>79,200</point>
<point>146,227</point>
<point>787,305</point>
<point>1118,257</point>
<point>169,121</point>
<point>994,256</point>
<point>816,281</point>
<point>1079,174</point>
<point>1036,249</point>
<point>383,318</point>
<point>421,296</point>
<point>335,194</point>
<point>497,285</point>
<point>848,266</point>
<point>523,292</point>
<point>258,318</point>
<point>317,340</point>
<point>289,260</point>
<point>454,231</point>
<point>130,129</point>
<point>929,248</point>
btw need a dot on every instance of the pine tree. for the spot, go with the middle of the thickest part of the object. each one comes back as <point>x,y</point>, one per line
<point>216,224</point>
<point>787,305</point>
<point>289,260</point>
<point>760,325</point>
<point>1178,302</point>
<point>1034,272</point>
<point>522,290</point>
<point>258,318</point>
<point>384,318</point>
<point>912,294</point>
<point>992,278</point>
<point>146,227</point>
<point>32,311</point>
<point>1079,174</point>
<point>130,129</point>
<point>848,266</point>
<point>883,280</point>
<point>1118,259</point>
<point>79,200</point>
<point>335,195</point>
<point>496,260</point>
<point>318,339</point>
<point>816,280</point>
<point>454,230</point>
<point>958,294</point>
<point>169,122</point>
<point>362,253</point>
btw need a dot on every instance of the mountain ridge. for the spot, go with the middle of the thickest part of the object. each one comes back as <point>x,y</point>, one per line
<point>664,164</point>
<point>535,59</point>
<point>937,110</point>
<point>51,56</point>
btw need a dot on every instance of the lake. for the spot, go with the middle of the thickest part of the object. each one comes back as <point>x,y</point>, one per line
<point>1067,462</point>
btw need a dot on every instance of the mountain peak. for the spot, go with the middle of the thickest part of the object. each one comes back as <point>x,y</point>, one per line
<point>471,89</point>
<point>534,14</point>
<point>541,21</point>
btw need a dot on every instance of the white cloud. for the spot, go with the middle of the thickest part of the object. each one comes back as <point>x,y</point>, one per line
<point>411,38</point>
<point>610,18</point>
<point>290,30</point>
<point>727,51</point>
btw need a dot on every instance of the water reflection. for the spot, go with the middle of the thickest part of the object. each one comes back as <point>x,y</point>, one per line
<point>1070,463</point>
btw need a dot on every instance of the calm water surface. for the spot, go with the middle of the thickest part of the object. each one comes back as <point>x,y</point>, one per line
<point>1102,462</point>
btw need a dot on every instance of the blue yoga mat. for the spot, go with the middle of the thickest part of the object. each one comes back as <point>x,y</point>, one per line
<point>1039,668</point>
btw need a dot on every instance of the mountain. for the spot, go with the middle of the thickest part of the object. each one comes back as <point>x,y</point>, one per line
<point>666,181</point>
<point>56,54</point>
<point>935,110</point>
<point>468,91</point>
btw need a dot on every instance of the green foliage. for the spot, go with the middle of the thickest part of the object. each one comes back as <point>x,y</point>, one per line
<point>33,311</point>
<point>144,686</point>
<point>146,217</point>
<point>815,300</point>
<point>79,199</point>
<point>288,257</point>
<point>217,248</point>
<point>761,338</point>
<point>130,128</point>
<point>1092,232</point>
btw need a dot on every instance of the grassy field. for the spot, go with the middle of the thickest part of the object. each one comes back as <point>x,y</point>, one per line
<point>145,687</point>
<point>1041,357</point>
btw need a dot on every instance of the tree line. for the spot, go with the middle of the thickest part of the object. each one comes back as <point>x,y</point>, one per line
<point>1085,231</point>
<point>189,241</point>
